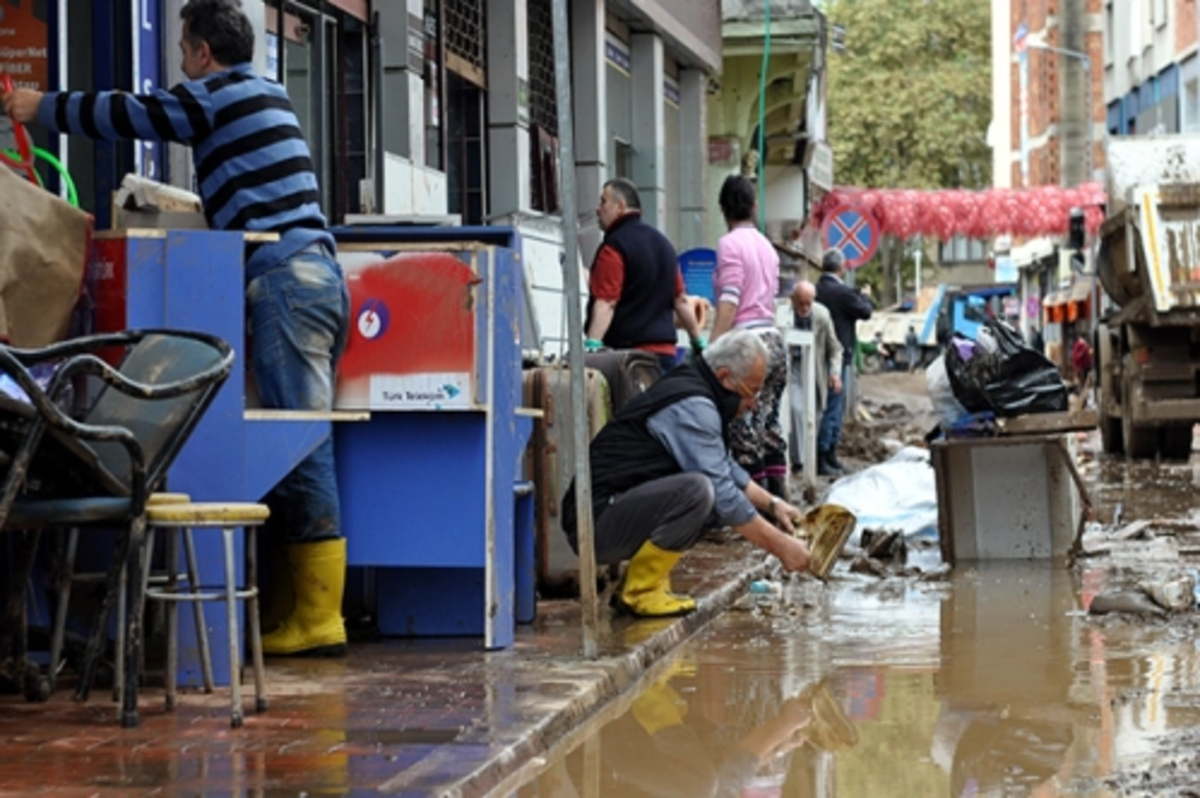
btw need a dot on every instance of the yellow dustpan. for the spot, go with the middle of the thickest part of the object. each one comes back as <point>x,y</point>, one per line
<point>826,529</point>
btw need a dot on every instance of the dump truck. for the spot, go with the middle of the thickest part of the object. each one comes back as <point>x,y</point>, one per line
<point>1147,349</point>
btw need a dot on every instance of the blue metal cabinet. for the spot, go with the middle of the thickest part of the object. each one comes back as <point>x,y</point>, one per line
<point>429,494</point>
<point>193,279</point>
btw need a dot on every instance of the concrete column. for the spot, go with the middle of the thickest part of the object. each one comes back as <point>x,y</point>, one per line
<point>649,126</point>
<point>693,143</point>
<point>508,108</point>
<point>402,31</point>
<point>589,90</point>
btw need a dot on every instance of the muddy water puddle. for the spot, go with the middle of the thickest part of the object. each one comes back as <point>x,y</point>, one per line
<point>992,683</point>
<point>1125,490</point>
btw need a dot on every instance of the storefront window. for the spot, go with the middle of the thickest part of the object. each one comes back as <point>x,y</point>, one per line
<point>466,109</point>
<point>322,63</point>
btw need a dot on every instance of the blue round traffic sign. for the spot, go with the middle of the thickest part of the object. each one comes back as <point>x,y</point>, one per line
<point>852,231</point>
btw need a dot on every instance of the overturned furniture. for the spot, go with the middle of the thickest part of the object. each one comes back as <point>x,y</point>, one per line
<point>1017,495</point>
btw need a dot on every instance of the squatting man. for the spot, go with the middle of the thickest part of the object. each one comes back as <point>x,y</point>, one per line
<point>662,474</point>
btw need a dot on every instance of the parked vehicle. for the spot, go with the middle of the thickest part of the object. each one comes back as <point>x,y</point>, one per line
<point>961,309</point>
<point>1147,352</point>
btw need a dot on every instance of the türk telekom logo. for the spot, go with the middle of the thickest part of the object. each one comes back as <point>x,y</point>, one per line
<point>372,319</point>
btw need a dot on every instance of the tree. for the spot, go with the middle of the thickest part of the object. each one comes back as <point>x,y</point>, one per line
<point>910,97</point>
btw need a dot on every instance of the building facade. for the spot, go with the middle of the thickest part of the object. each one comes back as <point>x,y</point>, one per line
<point>1047,92</point>
<point>789,105</point>
<point>1151,72</point>
<point>422,111</point>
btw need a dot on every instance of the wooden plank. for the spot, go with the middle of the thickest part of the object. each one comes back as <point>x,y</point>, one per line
<point>1177,523</point>
<point>1035,423</point>
<point>266,414</point>
<point>1132,530</point>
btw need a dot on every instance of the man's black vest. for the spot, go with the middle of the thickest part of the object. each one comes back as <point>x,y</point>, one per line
<point>645,313</point>
<point>626,454</point>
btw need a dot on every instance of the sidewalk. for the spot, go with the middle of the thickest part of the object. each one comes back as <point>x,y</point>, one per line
<point>427,717</point>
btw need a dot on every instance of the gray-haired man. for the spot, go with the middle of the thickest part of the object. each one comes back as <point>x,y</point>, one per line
<point>661,473</point>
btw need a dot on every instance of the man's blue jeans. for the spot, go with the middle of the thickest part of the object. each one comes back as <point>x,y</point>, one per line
<point>297,319</point>
<point>830,431</point>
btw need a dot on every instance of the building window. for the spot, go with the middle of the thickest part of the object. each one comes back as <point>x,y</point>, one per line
<point>543,108</point>
<point>432,79</point>
<point>622,165</point>
<point>1191,106</point>
<point>466,39</point>
<point>322,63</point>
<point>466,164</point>
<point>962,250</point>
<point>466,108</point>
<point>543,102</point>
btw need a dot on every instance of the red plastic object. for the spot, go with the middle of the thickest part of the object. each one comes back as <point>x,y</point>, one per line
<point>24,146</point>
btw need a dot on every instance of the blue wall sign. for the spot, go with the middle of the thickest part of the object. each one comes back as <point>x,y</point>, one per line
<point>147,68</point>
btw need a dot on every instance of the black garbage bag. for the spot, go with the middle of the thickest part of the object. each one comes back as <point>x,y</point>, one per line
<point>968,373</point>
<point>1012,380</point>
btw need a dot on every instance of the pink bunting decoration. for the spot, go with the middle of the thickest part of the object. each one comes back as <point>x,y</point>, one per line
<point>946,213</point>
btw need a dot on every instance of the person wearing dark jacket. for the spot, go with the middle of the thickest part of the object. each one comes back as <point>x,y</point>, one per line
<point>662,473</point>
<point>847,307</point>
<point>635,286</point>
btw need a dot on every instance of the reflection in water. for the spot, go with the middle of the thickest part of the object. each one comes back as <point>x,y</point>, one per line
<point>997,685</point>
<point>1004,682</point>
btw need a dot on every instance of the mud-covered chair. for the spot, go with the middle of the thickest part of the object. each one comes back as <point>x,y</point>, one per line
<point>82,445</point>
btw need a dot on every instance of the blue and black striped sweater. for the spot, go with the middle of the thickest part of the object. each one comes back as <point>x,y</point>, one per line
<point>252,163</point>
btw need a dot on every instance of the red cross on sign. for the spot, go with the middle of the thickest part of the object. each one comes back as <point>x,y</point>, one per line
<point>853,232</point>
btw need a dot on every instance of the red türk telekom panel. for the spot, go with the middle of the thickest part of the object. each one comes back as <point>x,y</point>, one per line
<point>412,334</point>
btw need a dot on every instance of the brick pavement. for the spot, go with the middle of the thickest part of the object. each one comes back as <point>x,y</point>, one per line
<point>403,717</point>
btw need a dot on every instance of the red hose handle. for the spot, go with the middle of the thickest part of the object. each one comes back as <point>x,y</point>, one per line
<point>24,146</point>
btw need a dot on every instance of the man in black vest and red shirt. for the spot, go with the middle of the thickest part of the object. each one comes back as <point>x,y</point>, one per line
<point>636,287</point>
<point>662,473</point>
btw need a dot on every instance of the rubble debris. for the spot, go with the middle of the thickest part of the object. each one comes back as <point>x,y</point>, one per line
<point>1127,601</point>
<point>865,565</point>
<point>1173,595</point>
<point>1136,529</point>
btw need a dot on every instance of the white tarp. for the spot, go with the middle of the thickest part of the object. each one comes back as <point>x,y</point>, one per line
<point>897,494</point>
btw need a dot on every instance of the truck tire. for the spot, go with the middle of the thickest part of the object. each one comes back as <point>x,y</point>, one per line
<point>1175,441</point>
<point>1106,396</point>
<point>1111,434</point>
<point>1139,442</point>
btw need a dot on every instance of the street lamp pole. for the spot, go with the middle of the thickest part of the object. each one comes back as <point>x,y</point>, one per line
<point>1085,62</point>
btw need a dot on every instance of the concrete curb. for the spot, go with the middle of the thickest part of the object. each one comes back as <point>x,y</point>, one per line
<point>509,767</point>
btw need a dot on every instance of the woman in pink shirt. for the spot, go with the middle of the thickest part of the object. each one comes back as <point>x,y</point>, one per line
<point>746,282</point>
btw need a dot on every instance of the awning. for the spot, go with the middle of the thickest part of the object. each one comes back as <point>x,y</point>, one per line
<point>1031,252</point>
<point>1081,291</point>
<point>1055,299</point>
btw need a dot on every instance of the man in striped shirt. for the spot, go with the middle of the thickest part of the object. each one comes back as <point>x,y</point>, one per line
<point>254,172</point>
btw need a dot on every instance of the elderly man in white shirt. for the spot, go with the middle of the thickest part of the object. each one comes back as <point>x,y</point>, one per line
<point>812,315</point>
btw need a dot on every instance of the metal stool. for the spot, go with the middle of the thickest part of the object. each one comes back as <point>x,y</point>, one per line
<point>58,635</point>
<point>227,517</point>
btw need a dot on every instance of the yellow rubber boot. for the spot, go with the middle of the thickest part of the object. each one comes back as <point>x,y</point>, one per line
<point>658,707</point>
<point>647,588</point>
<point>315,626</point>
